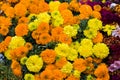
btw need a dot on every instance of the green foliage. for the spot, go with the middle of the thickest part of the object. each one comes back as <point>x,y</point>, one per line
<point>6,73</point>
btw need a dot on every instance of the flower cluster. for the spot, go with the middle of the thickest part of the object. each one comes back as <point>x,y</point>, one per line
<point>61,39</point>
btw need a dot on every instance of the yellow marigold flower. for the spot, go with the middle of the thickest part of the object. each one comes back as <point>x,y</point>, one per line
<point>75,45</point>
<point>32,17</point>
<point>67,68</point>
<point>34,63</point>
<point>55,14</point>
<point>108,29</point>
<point>87,42</point>
<point>43,17</point>
<point>62,49</point>
<point>15,42</point>
<point>100,50</point>
<point>70,30</point>
<point>57,22</point>
<point>76,73</point>
<point>85,50</point>
<point>29,76</point>
<point>90,33</point>
<point>54,5</point>
<point>7,54</point>
<point>95,24</point>
<point>72,54</point>
<point>23,60</point>
<point>32,26</point>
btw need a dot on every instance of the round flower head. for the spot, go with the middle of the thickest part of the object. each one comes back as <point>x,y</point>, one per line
<point>62,50</point>
<point>16,42</point>
<point>76,73</point>
<point>90,33</point>
<point>87,42</point>
<point>101,50</point>
<point>95,24</point>
<point>34,63</point>
<point>70,30</point>
<point>85,50</point>
<point>29,76</point>
<point>54,5</point>
<point>23,60</point>
<point>67,68</point>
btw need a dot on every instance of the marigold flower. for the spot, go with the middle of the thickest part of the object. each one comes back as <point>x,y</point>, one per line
<point>57,74</point>
<point>43,6</point>
<point>97,7</point>
<point>67,68</point>
<point>16,42</point>
<point>63,6</point>
<point>34,63</point>
<point>46,75</point>
<point>23,20</point>
<point>28,46</point>
<point>16,68</point>
<point>43,27</point>
<point>80,65</point>
<point>102,72</point>
<point>54,5</point>
<point>23,60</point>
<point>98,38</point>
<point>4,30</point>
<point>70,31</point>
<point>64,38</point>
<point>29,76</point>
<point>9,12</point>
<point>61,62</point>
<point>90,33</point>
<point>45,38</point>
<point>87,42</point>
<point>33,8</point>
<point>72,77</point>
<point>20,10</point>
<point>85,9</point>
<point>100,50</point>
<point>96,14</point>
<point>48,56</point>
<point>21,29</point>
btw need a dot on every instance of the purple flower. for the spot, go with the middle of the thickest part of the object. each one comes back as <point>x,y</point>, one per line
<point>108,17</point>
<point>115,66</point>
<point>116,32</point>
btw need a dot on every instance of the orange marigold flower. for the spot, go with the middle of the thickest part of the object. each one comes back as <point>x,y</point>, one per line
<point>19,52</point>
<point>35,34</point>
<point>28,45</point>
<point>37,76</point>
<point>9,12</point>
<point>16,68</point>
<point>6,22</point>
<point>74,5</point>
<point>33,8</point>
<point>3,47</point>
<point>46,75</point>
<point>50,67</point>
<point>26,3</point>
<point>97,60</point>
<point>98,38</point>
<point>56,32</point>
<point>102,72</point>
<point>97,7</point>
<point>96,14</point>
<point>5,6</point>
<point>7,40</point>
<point>83,16</point>
<point>4,30</point>
<point>61,62</point>
<point>71,77</point>
<point>48,56</point>
<point>57,74</point>
<point>21,29</point>
<point>86,10</point>
<point>68,18</point>
<point>23,20</point>
<point>43,6</point>
<point>63,6</point>
<point>20,10</point>
<point>43,27</point>
<point>45,38</point>
<point>80,64</point>
<point>64,38</point>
